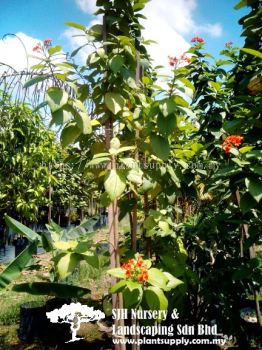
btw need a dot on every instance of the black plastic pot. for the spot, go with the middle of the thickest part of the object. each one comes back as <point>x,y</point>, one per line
<point>33,321</point>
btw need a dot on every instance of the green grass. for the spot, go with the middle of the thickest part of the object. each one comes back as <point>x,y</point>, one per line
<point>10,305</point>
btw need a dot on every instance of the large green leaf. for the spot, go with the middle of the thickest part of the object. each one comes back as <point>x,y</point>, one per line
<point>157,278</point>
<point>115,184</point>
<point>252,52</point>
<point>56,98</point>
<point>240,4</point>
<point>83,122</point>
<point>155,298</point>
<point>135,176</point>
<point>117,272</point>
<point>69,134</point>
<point>55,289</point>
<point>166,125</point>
<point>75,25</point>
<point>167,106</point>
<point>62,116</point>
<point>118,287</point>
<point>116,63</point>
<point>247,202</point>
<point>22,229</point>
<point>66,264</point>
<point>160,146</point>
<point>35,80</point>
<point>14,269</point>
<point>114,102</point>
<point>132,297</point>
<point>173,282</point>
<point>254,187</point>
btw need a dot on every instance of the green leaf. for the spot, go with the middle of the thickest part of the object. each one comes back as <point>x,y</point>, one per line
<point>118,287</point>
<point>173,282</point>
<point>135,176</point>
<point>83,122</point>
<point>157,278</point>
<point>257,169</point>
<point>115,184</point>
<point>241,4</point>
<point>21,229</point>
<point>129,163</point>
<point>54,49</point>
<point>124,149</point>
<point>117,272</point>
<point>167,106</point>
<point>66,264</point>
<point>156,298</point>
<point>116,63</point>
<point>77,50</point>
<point>160,146</point>
<point>61,116</point>
<point>180,101</point>
<point>187,83</point>
<point>99,160</point>
<point>247,202</point>
<point>252,52</point>
<point>132,297</point>
<point>69,134</point>
<point>14,269</point>
<point>114,102</point>
<point>65,245</point>
<point>53,289</point>
<point>75,25</point>
<point>56,98</point>
<point>254,187</point>
<point>35,80</point>
<point>166,125</point>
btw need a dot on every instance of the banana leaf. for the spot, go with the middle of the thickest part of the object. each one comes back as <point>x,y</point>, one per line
<point>14,269</point>
<point>22,229</point>
<point>53,289</point>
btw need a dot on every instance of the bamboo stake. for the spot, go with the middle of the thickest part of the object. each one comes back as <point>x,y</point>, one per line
<point>117,299</point>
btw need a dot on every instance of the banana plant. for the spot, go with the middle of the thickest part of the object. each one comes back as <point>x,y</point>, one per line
<point>68,248</point>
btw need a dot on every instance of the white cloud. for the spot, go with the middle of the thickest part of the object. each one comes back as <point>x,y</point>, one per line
<point>13,53</point>
<point>179,15</point>
<point>168,21</point>
<point>87,6</point>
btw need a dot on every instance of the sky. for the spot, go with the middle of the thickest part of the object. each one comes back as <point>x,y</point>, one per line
<point>172,23</point>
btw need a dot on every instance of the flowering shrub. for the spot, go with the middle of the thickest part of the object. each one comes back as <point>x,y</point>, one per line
<point>136,269</point>
<point>233,140</point>
<point>140,283</point>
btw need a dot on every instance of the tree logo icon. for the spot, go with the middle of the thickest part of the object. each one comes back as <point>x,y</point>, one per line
<point>75,314</point>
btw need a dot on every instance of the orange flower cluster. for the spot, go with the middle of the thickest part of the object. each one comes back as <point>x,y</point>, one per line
<point>230,141</point>
<point>136,269</point>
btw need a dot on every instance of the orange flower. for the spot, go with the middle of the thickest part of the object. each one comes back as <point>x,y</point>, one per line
<point>140,262</point>
<point>136,270</point>
<point>232,140</point>
<point>143,276</point>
